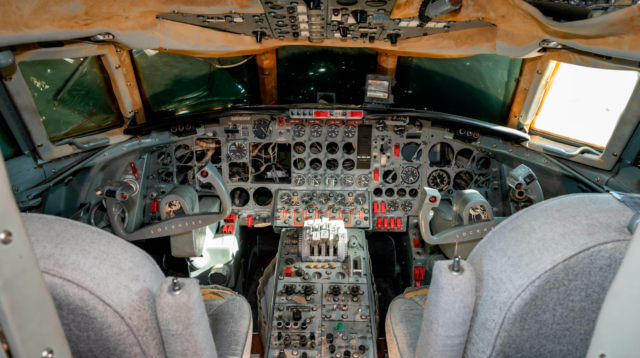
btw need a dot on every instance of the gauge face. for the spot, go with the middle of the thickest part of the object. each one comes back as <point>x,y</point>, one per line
<point>285,198</point>
<point>381,125</point>
<point>323,198</point>
<point>350,131</point>
<point>392,206</point>
<point>462,180</point>
<point>299,130</point>
<point>347,180</point>
<point>307,198</point>
<point>406,206</point>
<point>315,179</point>
<point>261,128</point>
<point>331,180</point>
<point>237,150</point>
<point>315,131</point>
<point>399,130</point>
<point>410,175</point>
<point>363,180</point>
<point>298,180</point>
<point>299,147</point>
<point>332,164</point>
<point>360,199</point>
<point>483,163</point>
<point>439,180</point>
<point>389,176</point>
<point>333,131</point>
<point>340,199</point>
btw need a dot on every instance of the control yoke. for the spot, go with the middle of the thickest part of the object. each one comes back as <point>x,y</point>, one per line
<point>119,191</point>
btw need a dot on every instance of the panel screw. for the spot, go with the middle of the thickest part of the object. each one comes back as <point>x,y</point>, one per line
<point>128,84</point>
<point>118,67</point>
<point>48,353</point>
<point>8,79</point>
<point>538,72</point>
<point>6,237</point>
<point>118,50</point>
<point>526,90</point>
<point>123,148</point>
<point>614,154</point>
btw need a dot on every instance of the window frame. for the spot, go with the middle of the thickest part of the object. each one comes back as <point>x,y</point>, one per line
<point>23,100</point>
<point>623,130</point>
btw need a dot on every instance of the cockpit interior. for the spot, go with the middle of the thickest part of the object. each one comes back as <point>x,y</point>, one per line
<point>320,179</point>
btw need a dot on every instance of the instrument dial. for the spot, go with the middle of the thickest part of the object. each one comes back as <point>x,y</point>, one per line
<point>392,206</point>
<point>333,131</point>
<point>410,175</point>
<point>363,180</point>
<point>381,126</point>
<point>323,198</point>
<point>307,198</point>
<point>237,150</point>
<point>347,180</point>
<point>315,179</point>
<point>360,199</point>
<point>406,206</point>
<point>350,131</point>
<point>315,131</point>
<point>299,130</point>
<point>331,180</point>
<point>285,198</point>
<point>261,128</point>
<point>399,130</point>
<point>439,180</point>
<point>298,180</point>
<point>340,199</point>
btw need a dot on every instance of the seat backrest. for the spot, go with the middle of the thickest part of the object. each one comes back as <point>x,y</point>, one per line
<point>104,288</point>
<point>542,276</point>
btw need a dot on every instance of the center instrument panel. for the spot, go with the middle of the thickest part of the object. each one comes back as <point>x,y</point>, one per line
<point>335,164</point>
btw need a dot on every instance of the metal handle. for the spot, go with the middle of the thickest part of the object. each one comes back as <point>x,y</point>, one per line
<point>563,153</point>
<point>101,142</point>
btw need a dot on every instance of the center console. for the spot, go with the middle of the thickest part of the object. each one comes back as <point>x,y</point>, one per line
<point>323,303</point>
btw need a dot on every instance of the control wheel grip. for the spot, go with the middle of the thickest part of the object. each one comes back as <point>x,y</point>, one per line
<point>209,174</point>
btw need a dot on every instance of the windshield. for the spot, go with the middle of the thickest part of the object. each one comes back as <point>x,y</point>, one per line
<point>479,87</point>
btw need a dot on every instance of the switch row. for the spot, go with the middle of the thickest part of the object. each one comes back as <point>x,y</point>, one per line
<point>389,223</point>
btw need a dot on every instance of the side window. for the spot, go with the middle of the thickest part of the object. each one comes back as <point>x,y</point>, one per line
<point>8,144</point>
<point>73,96</point>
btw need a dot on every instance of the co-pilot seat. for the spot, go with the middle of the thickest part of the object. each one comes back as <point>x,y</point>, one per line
<point>113,300</point>
<point>533,287</point>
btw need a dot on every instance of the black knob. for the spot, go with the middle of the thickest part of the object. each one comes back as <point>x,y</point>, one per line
<point>287,340</point>
<point>299,272</point>
<point>258,35</point>
<point>289,289</point>
<point>308,290</point>
<point>312,336</point>
<point>332,349</point>
<point>393,38</point>
<point>312,4</point>
<point>295,35</point>
<point>355,290</point>
<point>304,355</point>
<point>335,290</point>
<point>361,349</point>
<point>360,16</point>
<point>344,31</point>
<point>297,315</point>
<point>347,354</point>
<point>281,354</point>
<point>303,341</point>
<point>372,39</point>
<point>330,338</point>
<point>279,336</point>
<point>336,12</point>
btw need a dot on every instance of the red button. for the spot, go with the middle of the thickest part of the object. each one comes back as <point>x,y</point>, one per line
<point>379,223</point>
<point>356,114</point>
<point>383,208</point>
<point>386,223</point>
<point>518,186</point>
<point>416,243</point>
<point>154,206</point>
<point>288,271</point>
<point>375,207</point>
<point>432,199</point>
<point>376,175</point>
<point>396,150</point>
<point>250,221</point>
<point>399,223</point>
<point>123,196</point>
<point>392,224</point>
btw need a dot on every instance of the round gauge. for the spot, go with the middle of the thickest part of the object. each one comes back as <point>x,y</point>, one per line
<point>462,180</point>
<point>332,164</point>
<point>392,206</point>
<point>340,199</point>
<point>333,131</point>
<point>360,199</point>
<point>237,150</point>
<point>298,180</point>
<point>347,180</point>
<point>299,147</point>
<point>439,180</point>
<point>399,130</point>
<point>381,125</point>
<point>323,198</point>
<point>406,206</point>
<point>261,128</point>
<point>350,131</point>
<point>299,130</point>
<point>315,131</point>
<point>411,150</point>
<point>315,179</point>
<point>483,163</point>
<point>331,180</point>
<point>389,176</point>
<point>307,198</point>
<point>285,198</point>
<point>363,180</point>
<point>410,175</point>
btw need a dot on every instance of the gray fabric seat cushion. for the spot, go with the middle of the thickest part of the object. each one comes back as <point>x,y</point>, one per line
<point>230,321</point>
<point>103,287</point>
<point>542,276</point>
<point>403,322</point>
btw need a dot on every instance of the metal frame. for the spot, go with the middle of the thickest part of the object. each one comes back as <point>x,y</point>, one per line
<point>22,99</point>
<point>628,121</point>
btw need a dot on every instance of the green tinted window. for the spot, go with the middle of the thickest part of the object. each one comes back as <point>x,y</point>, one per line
<point>73,96</point>
<point>8,144</point>
<point>306,72</point>
<point>176,84</point>
<point>479,87</point>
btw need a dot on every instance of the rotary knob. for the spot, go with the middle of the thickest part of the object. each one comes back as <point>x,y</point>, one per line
<point>297,315</point>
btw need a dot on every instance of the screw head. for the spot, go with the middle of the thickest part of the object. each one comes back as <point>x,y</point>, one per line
<point>6,237</point>
<point>118,67</point>
<point>538,72</point>
<point>47,353</point>
<point>8,79</point>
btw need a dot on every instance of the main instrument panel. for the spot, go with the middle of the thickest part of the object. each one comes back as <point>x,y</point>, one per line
<point>335,164</point>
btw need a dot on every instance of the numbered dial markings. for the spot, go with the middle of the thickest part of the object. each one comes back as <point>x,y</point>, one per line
<point>261,128</point>
<point>331,180</point>
<point>360,199</point>
<point>392,206</point>
<point>410,175</point>
<point>285,198</point>
<point>439,180</point>
<point>347,180</point>
<point>299,130</point>
<point>237,150</point>
<point>340,199</point>
<point>350,131</point>
<point>333,131</point>
<point>315,179</point>
<point>363,180</point>
<point>406,206</point>
<point>315,131</point>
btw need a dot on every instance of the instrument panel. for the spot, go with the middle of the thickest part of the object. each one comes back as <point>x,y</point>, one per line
<point>281,170</point>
